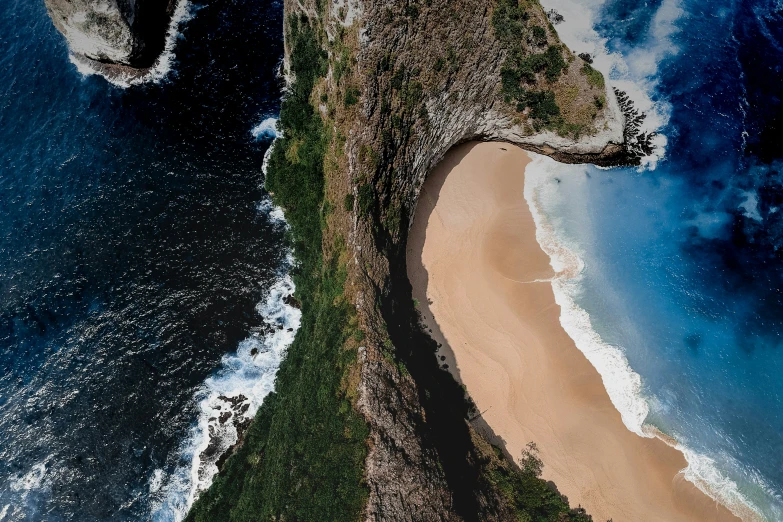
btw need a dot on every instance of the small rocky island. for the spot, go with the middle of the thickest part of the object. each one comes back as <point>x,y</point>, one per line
<point>114,37</point>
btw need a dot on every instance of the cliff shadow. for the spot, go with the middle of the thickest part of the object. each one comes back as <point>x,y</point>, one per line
<point>451,416</point>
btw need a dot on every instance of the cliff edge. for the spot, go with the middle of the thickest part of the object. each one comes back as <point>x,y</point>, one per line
<point>114,37</point>
<point>364,423</point>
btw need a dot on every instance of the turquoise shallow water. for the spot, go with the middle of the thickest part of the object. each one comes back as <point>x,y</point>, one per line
<point>682,259</point>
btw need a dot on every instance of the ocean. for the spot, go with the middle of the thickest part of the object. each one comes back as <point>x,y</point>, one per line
<point>143,270</point>
<point>143,273</point>
<point>672,273</point>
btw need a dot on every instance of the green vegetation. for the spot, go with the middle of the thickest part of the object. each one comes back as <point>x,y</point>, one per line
<point>594,76</point>
<point>538,35</point>
<point>529,496</point>
<point>303,456</point>
<point>542,105</point>
<point>366,199</point>
<point>521,67</point>
<point>520,71</point>
<point>509,20</point>
<point>351,96</point>
<point>348,202</point>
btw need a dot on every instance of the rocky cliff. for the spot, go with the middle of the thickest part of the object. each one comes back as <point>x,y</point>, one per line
<point>431,76</point>
<point>364,424</point>
<point>114,36</point>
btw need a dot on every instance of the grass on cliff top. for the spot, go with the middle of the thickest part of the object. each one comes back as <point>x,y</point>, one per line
<point>303,456</point>
<point>533,67</point>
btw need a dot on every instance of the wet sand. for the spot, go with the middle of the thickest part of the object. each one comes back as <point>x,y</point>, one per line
<point>482,282</point>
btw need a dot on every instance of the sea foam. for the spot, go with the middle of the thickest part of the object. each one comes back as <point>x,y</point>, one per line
<point>37,480</point>
<point>265,129</point>
<point>230,398</point>
<point>620,381</point>
<point>634,71</point>
<point>623,385</point>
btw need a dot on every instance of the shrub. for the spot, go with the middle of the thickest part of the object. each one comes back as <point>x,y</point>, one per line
<point>398,79</point>
<point>586,57</point>
<point>439,63</point>
<point>542,105</point>
<point>508,20</point>
<point>351,96</point>
<point>594,76</point>
<point>538,35</point>
<point>348,202</point>
<point>554,63</point>
<point>521,68</point>
<point>366,198</point>
<point>555,17</point>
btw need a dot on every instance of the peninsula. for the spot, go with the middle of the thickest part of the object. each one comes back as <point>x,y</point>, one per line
<point>365,423</point>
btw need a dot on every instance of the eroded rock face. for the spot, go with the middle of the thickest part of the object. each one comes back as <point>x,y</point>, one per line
<point>123,33</point>
<point>429,76</point>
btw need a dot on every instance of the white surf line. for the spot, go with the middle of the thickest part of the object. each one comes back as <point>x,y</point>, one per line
<point>637,76</point>
<point>621,382</point>
<point>227,402</point>
<point>239,387</point>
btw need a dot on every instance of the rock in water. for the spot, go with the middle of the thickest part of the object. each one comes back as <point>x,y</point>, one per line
<point>120,37</point>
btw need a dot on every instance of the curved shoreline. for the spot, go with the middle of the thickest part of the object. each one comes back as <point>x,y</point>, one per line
<point>482,282</point>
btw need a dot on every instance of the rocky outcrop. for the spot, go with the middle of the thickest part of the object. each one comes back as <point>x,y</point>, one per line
<point>378,92</point>
<point>114,36</point>
<point>429,75</point>
<point>453,47</point>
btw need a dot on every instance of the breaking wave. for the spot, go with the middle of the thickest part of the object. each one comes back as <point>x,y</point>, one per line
<point>162,66</point>
<point>623,385</point>
<point>265,129</point>
<point>227,402</point>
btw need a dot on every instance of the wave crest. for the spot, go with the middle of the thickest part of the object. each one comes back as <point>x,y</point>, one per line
<point>227,402</point>
<point>623,385</point>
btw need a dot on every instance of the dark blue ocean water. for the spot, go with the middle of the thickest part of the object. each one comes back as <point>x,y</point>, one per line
<point>133,253</point>
<point>683,263</point>
<point>133,249</point>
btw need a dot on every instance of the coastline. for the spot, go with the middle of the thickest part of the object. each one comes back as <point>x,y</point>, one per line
<point>484,287</point>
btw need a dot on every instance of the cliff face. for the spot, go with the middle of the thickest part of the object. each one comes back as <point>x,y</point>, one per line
<point>430,76</point>
<point>125,34</point>
<point>364,423</point>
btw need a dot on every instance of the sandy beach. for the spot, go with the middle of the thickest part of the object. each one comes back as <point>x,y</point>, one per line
<point>482,282</point>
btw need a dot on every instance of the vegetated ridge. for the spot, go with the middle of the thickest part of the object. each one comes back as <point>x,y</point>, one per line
<point>364,423</point>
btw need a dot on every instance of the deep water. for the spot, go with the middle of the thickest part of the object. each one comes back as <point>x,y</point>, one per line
<point>134,247</point>
<point>683,262</point>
